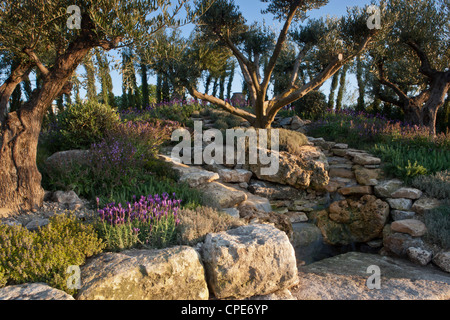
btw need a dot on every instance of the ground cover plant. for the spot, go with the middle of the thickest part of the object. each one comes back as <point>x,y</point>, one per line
<point>45,255</point>
<point>408,151</point>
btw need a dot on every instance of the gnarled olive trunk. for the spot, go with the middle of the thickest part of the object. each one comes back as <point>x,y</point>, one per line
<point>20,183</point>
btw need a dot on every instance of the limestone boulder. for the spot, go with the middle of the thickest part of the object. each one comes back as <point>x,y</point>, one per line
<point>33,291</point>
<point>274,191</point>
<point>387,188</point>
<point>419,256</point>
<point>414,228</point>
<point>408,193</point>
<point>398,243</point>
<point>170,274</point>
<point>253,260</point>
<point>303,172</point>
<point>400,204</point>
<point>345,277</point>
<point>423,205</point>
<point>235,175</point>
<point>68,158</point>
<point>220,196</point>
<point>442,260</point>
<point>350,221</point>
<point>68,200</point>
<point>368,177</point>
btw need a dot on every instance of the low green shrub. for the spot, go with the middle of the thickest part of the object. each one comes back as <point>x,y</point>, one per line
<point>45,255</point>
<point>436,185</point>
<point>80,125</point>
<point>438,225</point>
<point>314,103</point>
<point>195,225</point>
<point>292,141</point>
<point>407,162</point>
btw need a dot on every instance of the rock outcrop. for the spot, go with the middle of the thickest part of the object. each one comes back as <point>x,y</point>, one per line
<point>169,274</point>
<point>249,261</point>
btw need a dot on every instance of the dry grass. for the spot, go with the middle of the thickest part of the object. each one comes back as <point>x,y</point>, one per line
<point>195,225</point>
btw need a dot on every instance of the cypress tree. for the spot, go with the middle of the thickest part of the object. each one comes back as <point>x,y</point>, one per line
<point>342,83</point>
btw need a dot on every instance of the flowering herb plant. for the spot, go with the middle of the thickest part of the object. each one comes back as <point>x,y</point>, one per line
<point>150,221</point>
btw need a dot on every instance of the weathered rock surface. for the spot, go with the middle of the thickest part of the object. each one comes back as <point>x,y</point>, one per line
<point>68,158</point>
<point>387,188</point>
<point>219,195</point>
<point>424,205</point>
<point>407,193</point>
<point>169,274</point>
<point>345,277</point>
<point>400,204</point>
<point>368,177</point>
<point>249,261</point>
<point>235,176</point>
<point>68,200</point>
<point>419,256</point>
<point>442,260</point>
<point>364,159</point>
<point>356,190</point>
<point>398,215</point>
<point>399,243</point>
<point>297,172</point>
<point>414,228</point>
<point>274,191</point>
<point>33,291</point>
<point>350,221</point>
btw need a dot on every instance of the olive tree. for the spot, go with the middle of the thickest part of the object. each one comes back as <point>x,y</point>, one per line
<point>412,61</point>
<point>331,42</point>
<point>45,35</point>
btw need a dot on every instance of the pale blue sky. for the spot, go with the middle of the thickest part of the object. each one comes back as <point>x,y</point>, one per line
<point>251,10</point>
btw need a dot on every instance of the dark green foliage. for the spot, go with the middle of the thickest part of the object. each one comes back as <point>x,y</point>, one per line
<point>436,185</point>
<point>45,255</point>
<point>407,161</point>
<point>80,125</point>
<point>314,103</point>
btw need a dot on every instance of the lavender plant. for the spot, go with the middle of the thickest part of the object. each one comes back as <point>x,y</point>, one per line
<point>149,222</point>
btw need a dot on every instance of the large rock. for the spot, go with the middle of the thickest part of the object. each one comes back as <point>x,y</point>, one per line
<point>33,291</point>
<point>399,243</point>
<point>368,177</point>
<point>419,256</point>
<point>274,191</point>
<point>193,176</point>
<point>387,188</point>
<point>310,170</point>
<point>68,158</point>
<point>350,221</point>
<point>249,261</point>
<point>442,260</point>
<point>424,205</point>
<point>235,176</point>
<point>414,228</point>
<point>400,204</point>
<point>364,159</point>
<point>408,193</point>
<point>170,274</point>
<point>68,200</point>
<point>219,195</point>
<point>345,277</point>
<point>308,243</point>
